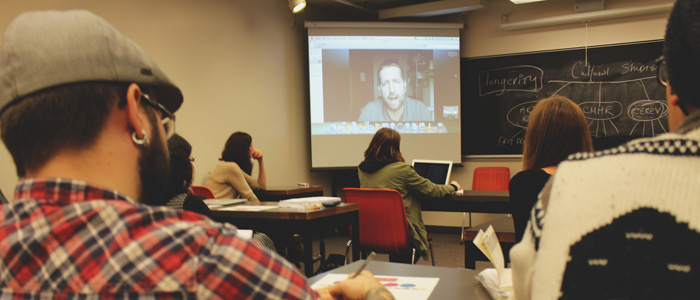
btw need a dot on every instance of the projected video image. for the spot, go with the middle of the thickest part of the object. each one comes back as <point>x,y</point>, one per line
<point>358,91</point>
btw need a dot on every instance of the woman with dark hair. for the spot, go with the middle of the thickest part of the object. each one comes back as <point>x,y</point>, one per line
<point>231,178</point>
<point>556,129</point>
<point>181,172</point>
<point>385,168</point>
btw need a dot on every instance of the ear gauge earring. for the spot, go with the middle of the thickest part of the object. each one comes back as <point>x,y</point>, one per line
<point>141,142</point>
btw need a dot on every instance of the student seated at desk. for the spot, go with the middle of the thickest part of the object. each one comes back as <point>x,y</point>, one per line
<point>178,190</point>
<point>231,179</point>
<point>231,176</point>
<point>557,129</point>
<point>177,193</point>
<point>385,168</point>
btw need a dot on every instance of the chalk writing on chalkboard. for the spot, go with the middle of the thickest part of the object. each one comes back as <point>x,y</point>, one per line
<point>615,86</point>
<point>519,78</point>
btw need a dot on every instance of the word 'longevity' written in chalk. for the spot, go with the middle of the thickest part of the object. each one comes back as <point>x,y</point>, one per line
<point>517,78</point>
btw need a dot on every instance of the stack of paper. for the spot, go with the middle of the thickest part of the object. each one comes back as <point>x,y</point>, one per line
<point>500,284</point>
<point>218,203</point>
<point>308,203</point>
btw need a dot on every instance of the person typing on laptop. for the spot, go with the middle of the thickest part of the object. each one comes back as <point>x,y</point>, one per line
<point>385,168</point>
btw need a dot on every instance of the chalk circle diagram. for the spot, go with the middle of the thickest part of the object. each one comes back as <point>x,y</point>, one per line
<point>647,112</point>
<point>522,78</point>
<point>601,113</point>
<point>519,115</point>
<point>603,108</point>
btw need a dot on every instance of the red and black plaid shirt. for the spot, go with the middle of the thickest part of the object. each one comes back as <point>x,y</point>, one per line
<point>66,239</point>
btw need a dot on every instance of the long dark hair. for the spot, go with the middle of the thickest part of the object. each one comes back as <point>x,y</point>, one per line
<point>385,146</point>
<point>181,169</point>
<point>556,129</point>
<point>237,149</point>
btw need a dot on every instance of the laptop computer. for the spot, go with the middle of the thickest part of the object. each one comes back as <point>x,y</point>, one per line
<point>437,171</point>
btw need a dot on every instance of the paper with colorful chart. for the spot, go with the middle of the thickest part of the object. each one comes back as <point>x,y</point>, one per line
<point>401,287</point>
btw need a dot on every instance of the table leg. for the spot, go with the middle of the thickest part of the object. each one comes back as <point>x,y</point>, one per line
<point>308,255</point>
<point>470,253</point>
<point>322,251</point>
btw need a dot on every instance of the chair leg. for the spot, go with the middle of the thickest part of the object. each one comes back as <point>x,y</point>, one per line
<point>347,252</point>
<point>461,235</point>
<point>432,256</point>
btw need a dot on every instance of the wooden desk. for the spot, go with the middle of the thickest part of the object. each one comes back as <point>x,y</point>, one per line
<point>497,202</point>
<point>455,283</point>
<point>305,223</point>
<point>277,193</point>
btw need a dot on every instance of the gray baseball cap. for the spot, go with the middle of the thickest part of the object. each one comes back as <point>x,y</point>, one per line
<point>46,49</point>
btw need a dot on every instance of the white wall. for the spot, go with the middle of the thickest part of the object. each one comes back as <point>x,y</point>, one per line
<point>241,66</point>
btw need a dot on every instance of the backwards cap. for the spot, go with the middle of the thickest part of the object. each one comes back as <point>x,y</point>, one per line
<point>42,50</point>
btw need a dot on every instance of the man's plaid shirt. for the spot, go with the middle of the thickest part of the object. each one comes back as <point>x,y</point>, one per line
<point>67,239</point>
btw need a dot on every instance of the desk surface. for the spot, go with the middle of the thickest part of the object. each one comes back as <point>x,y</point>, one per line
<point>283,213</point>
<point>471,201</point>
<point>455,283</point>
<point>305,222</point>
<point>277,193</point>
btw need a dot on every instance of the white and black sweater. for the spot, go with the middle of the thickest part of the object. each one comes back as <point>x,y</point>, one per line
<point>623,223</point>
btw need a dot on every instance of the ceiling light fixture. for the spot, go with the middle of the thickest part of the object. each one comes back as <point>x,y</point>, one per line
<point>590,16</point>
<point>524,1</point>
<point>297,5</point>
<point>434,8</point>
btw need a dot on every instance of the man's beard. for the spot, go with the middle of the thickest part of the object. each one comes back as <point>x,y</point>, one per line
<point>154,167</point>
<point>399,105</point>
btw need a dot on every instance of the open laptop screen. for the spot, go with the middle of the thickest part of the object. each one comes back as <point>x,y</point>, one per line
<point>437,171</point>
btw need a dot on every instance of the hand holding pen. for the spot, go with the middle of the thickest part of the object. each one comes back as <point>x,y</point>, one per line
<point>359,285</point>
<point>370,257</point>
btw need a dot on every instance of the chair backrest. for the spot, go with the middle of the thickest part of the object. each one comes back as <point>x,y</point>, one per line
<point>383,224</point>
<point>202,191</point>
<point>491,179</point>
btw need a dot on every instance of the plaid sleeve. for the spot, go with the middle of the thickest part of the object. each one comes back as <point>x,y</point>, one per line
<point>232,268</point>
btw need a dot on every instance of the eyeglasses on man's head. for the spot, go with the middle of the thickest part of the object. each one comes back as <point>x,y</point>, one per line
<point>166,117</point>
<point>661,73</point>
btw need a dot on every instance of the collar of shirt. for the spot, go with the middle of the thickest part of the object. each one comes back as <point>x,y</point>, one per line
<point>690,123</point>
<point>64,191</point>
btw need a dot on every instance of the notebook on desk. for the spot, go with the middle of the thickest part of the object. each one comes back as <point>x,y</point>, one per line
<point>216,203</point>
<point>437,171</point>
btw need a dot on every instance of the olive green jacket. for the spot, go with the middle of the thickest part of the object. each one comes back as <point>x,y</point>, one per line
<point>401,177</point>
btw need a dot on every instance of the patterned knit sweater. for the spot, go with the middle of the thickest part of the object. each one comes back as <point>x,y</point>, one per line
<point>623,223</point>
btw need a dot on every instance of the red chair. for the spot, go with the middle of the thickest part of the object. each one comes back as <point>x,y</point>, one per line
<point>491,179</point>
<point>488,179</point>
<point>202,191</point>
<point>383,224</point>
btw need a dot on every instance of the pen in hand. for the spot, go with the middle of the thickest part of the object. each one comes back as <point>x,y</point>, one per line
<point>362,267</point>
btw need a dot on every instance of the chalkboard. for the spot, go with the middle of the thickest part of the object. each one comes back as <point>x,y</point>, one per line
<point>614,85</point>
